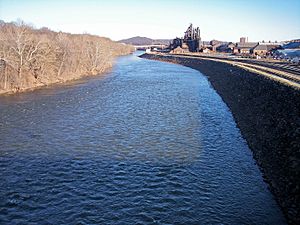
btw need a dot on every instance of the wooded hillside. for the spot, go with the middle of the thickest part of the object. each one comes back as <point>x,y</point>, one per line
<point>35,57</point>
<point>145,41</point>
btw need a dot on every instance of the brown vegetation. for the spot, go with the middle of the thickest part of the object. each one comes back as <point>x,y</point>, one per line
<point>36,57</point>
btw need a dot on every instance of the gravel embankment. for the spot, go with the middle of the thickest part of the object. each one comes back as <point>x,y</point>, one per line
<point>268,115</point>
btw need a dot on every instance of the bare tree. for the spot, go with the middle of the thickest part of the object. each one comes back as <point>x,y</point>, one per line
<point>30,57</point>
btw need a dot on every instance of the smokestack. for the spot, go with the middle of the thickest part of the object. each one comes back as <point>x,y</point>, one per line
<point>243,40</point>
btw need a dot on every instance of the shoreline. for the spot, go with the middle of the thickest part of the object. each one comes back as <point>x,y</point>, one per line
<point>44,57</point>
<point>267,114</point>
<point>72,78</point>
<point>58,82</point>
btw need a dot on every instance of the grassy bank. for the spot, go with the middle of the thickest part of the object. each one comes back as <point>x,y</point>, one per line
<point>268,115</point>
<point>31,58</point>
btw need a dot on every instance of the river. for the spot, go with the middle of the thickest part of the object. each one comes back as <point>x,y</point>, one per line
<point>148,143</point>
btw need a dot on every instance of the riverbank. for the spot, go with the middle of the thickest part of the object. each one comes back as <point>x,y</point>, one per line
<point>267,114</point>
<point>32,58</point>
<point>35,84</point>
<point>39,85</point>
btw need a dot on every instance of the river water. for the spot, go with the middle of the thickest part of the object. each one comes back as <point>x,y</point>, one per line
<point>148,143</point>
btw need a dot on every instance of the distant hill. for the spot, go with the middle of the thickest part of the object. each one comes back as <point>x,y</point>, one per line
<point>145,41</point>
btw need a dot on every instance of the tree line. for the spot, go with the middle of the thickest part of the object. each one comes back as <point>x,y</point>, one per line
<point>35,57</point>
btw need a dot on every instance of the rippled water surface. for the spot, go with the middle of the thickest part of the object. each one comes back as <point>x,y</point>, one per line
<point>149,143</point>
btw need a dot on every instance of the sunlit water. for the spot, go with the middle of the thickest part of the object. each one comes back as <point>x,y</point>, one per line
<point>149,143</point>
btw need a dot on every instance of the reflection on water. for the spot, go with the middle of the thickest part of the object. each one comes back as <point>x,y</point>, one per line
<point>149,143</point>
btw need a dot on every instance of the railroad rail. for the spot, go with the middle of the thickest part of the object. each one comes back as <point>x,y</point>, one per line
<point>288,74</point>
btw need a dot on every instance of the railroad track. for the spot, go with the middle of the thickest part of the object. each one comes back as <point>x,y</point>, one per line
<point>290,68</point>
<point>281,72</point>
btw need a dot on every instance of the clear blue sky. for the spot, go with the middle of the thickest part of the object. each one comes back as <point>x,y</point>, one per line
<point>117,19</point>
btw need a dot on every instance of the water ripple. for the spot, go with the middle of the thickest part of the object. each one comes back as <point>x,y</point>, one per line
<point>150,143</point>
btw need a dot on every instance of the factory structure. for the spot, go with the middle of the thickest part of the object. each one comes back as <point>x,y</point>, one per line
<point>190,42</point>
